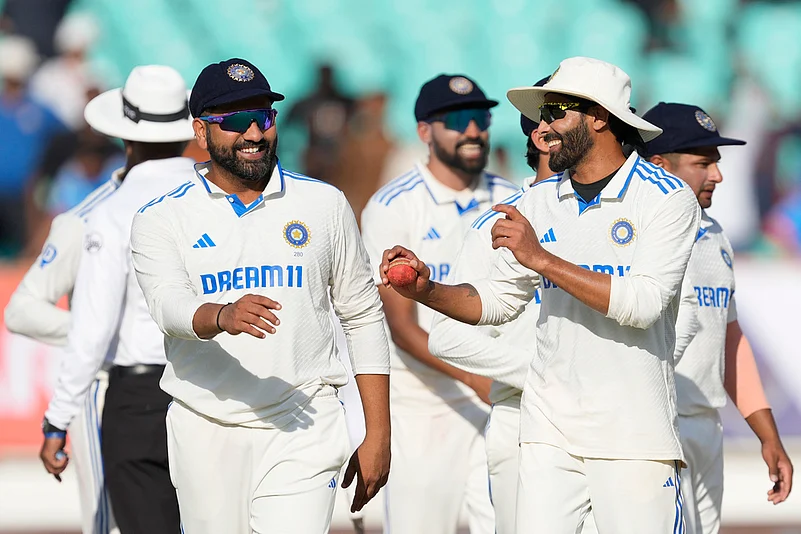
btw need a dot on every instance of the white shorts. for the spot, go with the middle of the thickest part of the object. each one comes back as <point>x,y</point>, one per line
<point>85,456</point>
<point>240,480</point>
<point>557,490</point>
<point>439,466</point>
<point>702,442</point>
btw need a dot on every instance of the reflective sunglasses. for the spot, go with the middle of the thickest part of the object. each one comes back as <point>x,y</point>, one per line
<point>240,121</point>
<point>553,111</point>
<point>458,120</point>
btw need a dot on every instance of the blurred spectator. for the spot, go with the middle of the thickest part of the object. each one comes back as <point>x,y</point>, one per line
<point>783,224</point>
<point>34,19</point>
<point>62,82</point>
<point>25,129</point>
<point>325,114</point>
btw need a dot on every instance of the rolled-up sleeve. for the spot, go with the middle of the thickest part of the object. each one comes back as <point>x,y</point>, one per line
<point>687,323</point>
<point>355,297</point>
<point>171,297</point>
<point>507,290</point>
<point>658,264</point>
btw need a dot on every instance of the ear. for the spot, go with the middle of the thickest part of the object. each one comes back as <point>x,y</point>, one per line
<point>199,127</point>
<point>538,141</point>
<point>660,161</point>
<point>424,132</point>
<point>600,118</point>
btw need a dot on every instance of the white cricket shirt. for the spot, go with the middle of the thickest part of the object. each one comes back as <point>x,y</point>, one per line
<point>108,309</point>
<point>602,386</point>
<point>293,244</point>
<point>32,309</point>
<point>710,274</point>
<point>420,213</point>
<point>503,352</point>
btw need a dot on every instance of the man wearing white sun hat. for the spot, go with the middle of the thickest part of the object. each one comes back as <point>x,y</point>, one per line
<point>110,319</point>
<point>598,426</point>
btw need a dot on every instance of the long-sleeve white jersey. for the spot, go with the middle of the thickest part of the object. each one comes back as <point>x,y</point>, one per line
<point>108,308</point>
<point>32,309</point>
<point>603,386</point>
<point>295,243</point>
<point>710,275</point>
<point>417,211</point>
<point>503,352</point>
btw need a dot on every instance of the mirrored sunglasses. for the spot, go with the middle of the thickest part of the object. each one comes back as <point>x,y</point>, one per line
<point>458,120</point>
<point>553,111</point>
<point>240,121</point>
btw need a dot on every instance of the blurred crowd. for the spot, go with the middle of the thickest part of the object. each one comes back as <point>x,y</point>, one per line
<point>50,159</point>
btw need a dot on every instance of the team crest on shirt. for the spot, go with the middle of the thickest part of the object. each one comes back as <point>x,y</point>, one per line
<point>726,258</point>
<point>297,234</point>
<point>622,232</point>
<point>705,121</point>
<point>461,85</point>
<point>240,73</point>
<point>93,242</point>
<point>48,255</point>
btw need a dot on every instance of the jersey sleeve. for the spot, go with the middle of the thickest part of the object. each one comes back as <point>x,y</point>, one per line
<point>170,295</point>
<point>382,228</point>
<point>479,350</point>
<point>97,302</point>
<point>658,264</point>
<point>687,323</point>
<point>355,297</point>
<point>32,309</point>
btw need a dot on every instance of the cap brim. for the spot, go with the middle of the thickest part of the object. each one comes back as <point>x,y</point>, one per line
<point>242,94</point>
<point>720,141</point>
<point>529,99</point>
<point>104,114</point>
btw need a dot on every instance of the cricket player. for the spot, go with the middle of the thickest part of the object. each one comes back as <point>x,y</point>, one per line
<point>719,359</point>
<point>237,271</point>
<point>438,416</point>
<point>150,114</point>
<point>599,425</point>
<point>32,311</point>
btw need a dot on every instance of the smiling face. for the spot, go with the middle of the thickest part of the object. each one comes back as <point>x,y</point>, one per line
<point>250,156</point>
<point>569,139</point>
<point>698,168</point>
<point>467,151</point>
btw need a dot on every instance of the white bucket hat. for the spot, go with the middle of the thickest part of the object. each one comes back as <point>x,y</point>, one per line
<point>590,79</point>
<point>151,108</point>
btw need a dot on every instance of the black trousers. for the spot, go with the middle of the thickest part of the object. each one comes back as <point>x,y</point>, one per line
<point>134,445</point>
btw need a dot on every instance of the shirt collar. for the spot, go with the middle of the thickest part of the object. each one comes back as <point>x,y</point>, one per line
<point>707,223</point>
<point>481,191</point>
<point>275,188</point>
<point>616,187</point>
<point>116,176</point>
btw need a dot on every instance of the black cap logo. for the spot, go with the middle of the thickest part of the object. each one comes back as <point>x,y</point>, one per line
<point>705,121</point>
<point>240,73</point>
<point>461,85</point>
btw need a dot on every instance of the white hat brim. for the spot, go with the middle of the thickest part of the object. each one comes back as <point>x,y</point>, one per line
<point>104,114</point>
<point>529,99</point>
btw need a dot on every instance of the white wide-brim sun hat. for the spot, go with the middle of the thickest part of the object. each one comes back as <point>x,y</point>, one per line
<point>590,79</point>
<point>152,107</point>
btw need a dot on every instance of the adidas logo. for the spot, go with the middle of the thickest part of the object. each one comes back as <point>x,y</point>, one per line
<point>432,234</point>
<point>549,237</point>
<point>669,483</point>
<point>204,242</point>
<point>333,483</point>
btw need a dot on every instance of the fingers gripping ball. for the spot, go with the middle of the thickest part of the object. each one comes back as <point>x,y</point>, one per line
<point>400,273</point>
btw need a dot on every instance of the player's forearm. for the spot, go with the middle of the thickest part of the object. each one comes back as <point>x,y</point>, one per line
<point>591,288</point>
<point>204,322</point>
<point>763,425</point>
<point>413,340</point>
<point>460,302</point>
<point>741,378</point>
<point>374,392</point>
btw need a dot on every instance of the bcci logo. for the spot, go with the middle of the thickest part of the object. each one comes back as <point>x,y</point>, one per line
<point>726,258</point>
<point>240,73</point>
<point>705,121</point>
<point>461,85</point>
<point>622,232</point>
<point>297,234</point>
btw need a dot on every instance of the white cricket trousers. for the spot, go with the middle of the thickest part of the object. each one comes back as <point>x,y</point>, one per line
<point>702,443</point>
<point>503,449</point>
<point>239,480</point>
<point>85,456</point>
<point>557,490</point>
<point>439,467</point>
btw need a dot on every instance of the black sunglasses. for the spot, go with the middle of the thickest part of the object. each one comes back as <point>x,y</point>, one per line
<point>553,111</point>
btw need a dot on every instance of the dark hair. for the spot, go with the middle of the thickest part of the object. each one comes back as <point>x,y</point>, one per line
<point>624,133</point>
<point>532,155</point>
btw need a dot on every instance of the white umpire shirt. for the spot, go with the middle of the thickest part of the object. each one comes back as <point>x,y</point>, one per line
<point>297,243</point>
<point>503,352</point>
<point>108,308</point>
<point>603,386</point>
<point>32,309</point>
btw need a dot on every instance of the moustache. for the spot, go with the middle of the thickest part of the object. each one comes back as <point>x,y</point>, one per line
<point>252,144</point>
<point>552,136</point>
<point>478,142</point>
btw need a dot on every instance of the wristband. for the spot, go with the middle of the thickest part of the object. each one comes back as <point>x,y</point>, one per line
<point>218,317</point>
<point>51,435</point>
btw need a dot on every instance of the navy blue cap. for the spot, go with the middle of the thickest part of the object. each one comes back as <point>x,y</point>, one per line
<point>526,124</point>
<point>450,91</point>
<point>228,81</point>
<point>683,127</point>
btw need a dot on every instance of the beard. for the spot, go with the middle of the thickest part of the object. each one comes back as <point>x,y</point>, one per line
<point>455,161</point>
<point>248,171</point>
<point>575,145</point>
<point>532,155</point>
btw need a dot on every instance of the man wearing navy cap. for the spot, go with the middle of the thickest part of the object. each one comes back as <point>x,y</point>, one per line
<point>240,268</point>
<point>438,416</point>
<point>718,359</point>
